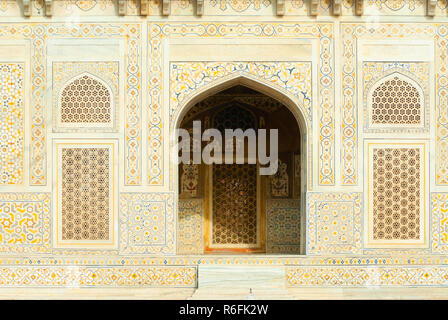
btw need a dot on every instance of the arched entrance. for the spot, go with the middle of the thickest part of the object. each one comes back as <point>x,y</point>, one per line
<point>231,208</point>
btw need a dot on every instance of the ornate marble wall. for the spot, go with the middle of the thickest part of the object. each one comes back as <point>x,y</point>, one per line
<point>90,99</point>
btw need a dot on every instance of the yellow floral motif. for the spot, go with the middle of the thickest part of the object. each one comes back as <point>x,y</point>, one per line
<point>147,223</point>
<point>334,223</point>
<point>11,123</point>
<point>337,276</point>
<point>86,5</point>
<point>140,276</point>
<point>440,222</point>
<point>241,5</point>
<point>24,222</point>
<point>292,76</point>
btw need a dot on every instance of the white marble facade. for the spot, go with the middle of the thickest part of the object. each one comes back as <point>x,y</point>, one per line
<point>366,80</point>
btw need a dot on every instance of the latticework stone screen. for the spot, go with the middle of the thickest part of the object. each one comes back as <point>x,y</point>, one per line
<point>86,100</point>
<point>85,200</point>
<point>85,193</point>
<point>234,205</point>
<point>396,194</point>
<point>396,102</point>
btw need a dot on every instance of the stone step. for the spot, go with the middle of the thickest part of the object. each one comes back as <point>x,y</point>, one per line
<point>241,277</point>
<point>239,294</point>
<point>241,282</point>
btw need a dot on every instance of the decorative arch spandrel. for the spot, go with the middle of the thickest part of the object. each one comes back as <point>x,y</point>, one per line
<point>299,104</point>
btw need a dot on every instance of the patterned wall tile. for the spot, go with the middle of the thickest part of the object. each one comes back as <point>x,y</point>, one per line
<point>366,276</point>
<point>439,227</point>
<point>351,260</point>
<point>12,113</point>
<point>97,276</point>
<point>190,236</point>
<point>147,223</point>
<point>25,222</point>
<point>283,226</point>
<point>334,223</point>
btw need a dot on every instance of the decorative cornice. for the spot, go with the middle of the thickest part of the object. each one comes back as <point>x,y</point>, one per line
<point>27,8</point>
<point>313,7</point>
<point>280,7</point>
<point>431,9</point>
<point>199,7</point>
<point>359,7</point>
<point>48,8</point>
<point>121,7</point>
<point>144,7</point>
<point>337,7</point>
<point>166,7</point>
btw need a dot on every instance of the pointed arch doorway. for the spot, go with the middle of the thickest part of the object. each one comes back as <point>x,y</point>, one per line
<point>231,208</point>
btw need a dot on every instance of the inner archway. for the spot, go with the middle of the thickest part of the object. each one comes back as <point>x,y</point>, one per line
<point>231,208</point>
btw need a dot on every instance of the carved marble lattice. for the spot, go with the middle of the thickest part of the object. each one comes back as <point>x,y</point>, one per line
<point>12,122</point>
<point>234,117</point>
<point>260,102</point>
<point>396,193</point>
<point>234,204</point>
<point>280,181</point>
<point>85,193</point>
<point>85,96</point>
<point>394,107</point>
<point>396,102</point>
<point>86,100</point>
